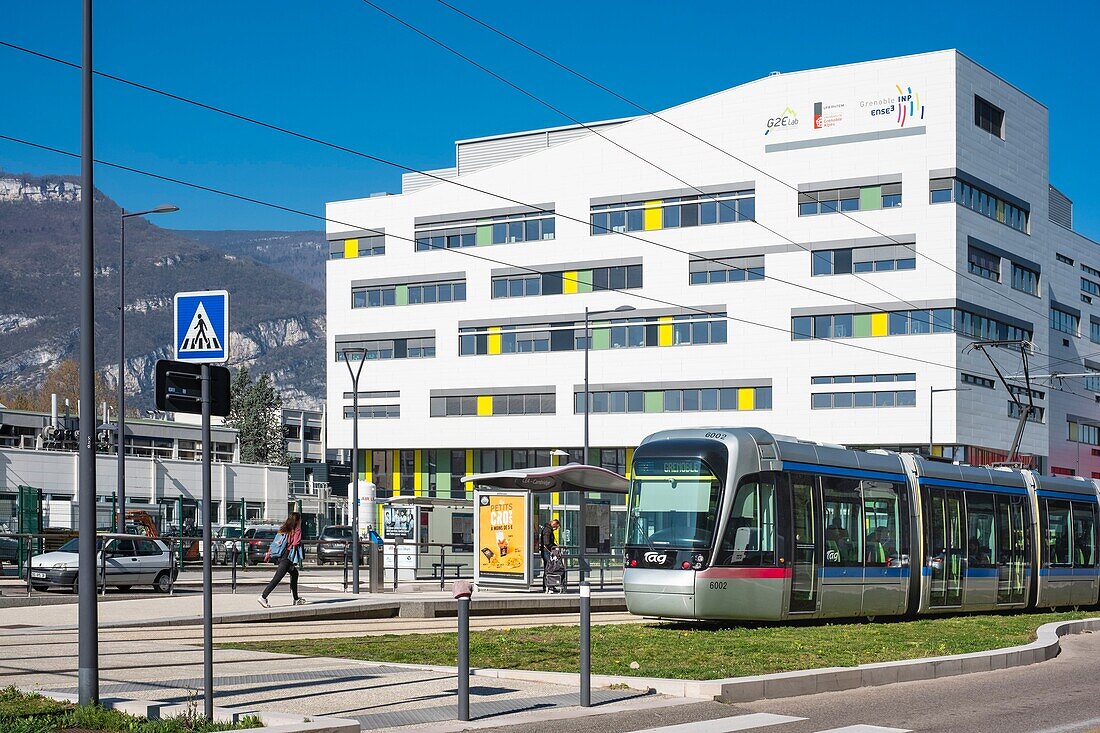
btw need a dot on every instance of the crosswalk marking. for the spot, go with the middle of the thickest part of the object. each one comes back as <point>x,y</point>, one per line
<point>727,725</point>
<point>866,729</point>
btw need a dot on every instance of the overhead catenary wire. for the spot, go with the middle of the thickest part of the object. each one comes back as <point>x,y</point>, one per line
<point>693,135</point>
<point>319,217</point>
<point>452,181</point>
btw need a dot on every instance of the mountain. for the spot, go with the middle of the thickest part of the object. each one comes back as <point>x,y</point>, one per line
<point>277,320</point>
<point>301,255</point>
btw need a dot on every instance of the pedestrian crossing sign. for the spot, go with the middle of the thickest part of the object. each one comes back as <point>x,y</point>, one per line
<point>202,326</point>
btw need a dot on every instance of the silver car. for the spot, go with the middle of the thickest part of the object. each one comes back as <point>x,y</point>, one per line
<point>129,561</point>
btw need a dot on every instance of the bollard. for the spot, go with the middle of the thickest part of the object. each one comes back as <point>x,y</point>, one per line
<point>171,568</point>
<point>233,576</point>
<point>586,645</point>
<point>346,553</point>
<point>28,572</point>
<point>396,562</point>
<point>103,569</point>
<point>463,590</point>
<point>442,569</point>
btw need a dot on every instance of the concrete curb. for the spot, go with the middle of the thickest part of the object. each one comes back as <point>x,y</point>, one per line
<point>273,722</point>
<point>807,682</point>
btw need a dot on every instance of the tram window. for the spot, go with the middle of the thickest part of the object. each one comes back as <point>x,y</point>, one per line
<point>1084,535</point>
<point>673,503</point>
<point>881,510</point>
<point>1057,542</point>
<point>749,539</point>
<point>981,542</point>
<point>843,522</point>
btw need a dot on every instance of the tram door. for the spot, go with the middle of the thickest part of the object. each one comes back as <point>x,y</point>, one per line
<point>805,510</point>
<point>946,550</point>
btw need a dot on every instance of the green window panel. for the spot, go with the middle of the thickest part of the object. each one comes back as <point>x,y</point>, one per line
<point>601,338</point>
<point>654,401</point>
<point>584,281</point>
<point>484,234</point>
<point>870,198</point>
<point>401,297</point>
<point>861,325</point>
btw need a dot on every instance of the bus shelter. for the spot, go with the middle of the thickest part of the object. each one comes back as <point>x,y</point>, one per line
<point>506,523</point>
<point>426,536</point>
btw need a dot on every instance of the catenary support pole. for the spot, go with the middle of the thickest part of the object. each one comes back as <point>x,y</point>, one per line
<point>207,589</point>
<point>88,625</point>
<point>120,434</point>
<point>355,464</point>
<point>586,645</point>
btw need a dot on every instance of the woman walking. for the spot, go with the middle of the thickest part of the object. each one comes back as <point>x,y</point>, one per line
<point>286,550</point>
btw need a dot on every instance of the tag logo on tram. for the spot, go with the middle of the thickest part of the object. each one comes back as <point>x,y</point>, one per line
<point>655,558</point>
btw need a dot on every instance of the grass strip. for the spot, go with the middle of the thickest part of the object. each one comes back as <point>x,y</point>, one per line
<point>686,651</point>
<point>22,712</point>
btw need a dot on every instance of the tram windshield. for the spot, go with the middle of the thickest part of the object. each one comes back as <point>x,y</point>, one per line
<point>673,502</point>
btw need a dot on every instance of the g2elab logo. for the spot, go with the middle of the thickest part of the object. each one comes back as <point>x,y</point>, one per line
<point>789,118</point>
<point>905,106</point>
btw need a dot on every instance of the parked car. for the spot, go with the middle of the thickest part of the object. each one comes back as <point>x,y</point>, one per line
<point>229,538</point>
<point>257,541</point>
<point>335,543</point>
<point>130,561</point>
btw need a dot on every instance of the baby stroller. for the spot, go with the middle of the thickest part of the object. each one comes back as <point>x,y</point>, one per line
<point>553,573</point>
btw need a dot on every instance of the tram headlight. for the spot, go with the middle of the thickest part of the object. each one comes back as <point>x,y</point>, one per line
<point>697,561</point>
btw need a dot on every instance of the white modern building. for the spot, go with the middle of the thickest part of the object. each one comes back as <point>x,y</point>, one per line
<point>811,253</point>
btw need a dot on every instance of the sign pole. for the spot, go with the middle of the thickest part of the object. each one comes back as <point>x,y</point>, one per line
<point>88,613</point>
<point>207,597</point>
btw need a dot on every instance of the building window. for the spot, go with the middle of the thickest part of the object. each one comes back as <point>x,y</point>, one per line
<point>1083,433</point>
<point>726,269</point>
<point>568,282</point>
<point>618,333</point>
<point>489,229</point>
<point>673,213</point>
<point>863,259</point>
<point>978,381</point>
<point>1064,321</point>
<point>430,292</point>
<point>1094,331</point>
<point>373,412</point>
<point>898,323</point>
<point>864,198</point>
<point>490,405</point>
<point>984,264</point>
<point>1063,259</point>
<point>849,400</point>
<point>1024,392</point>
<point>398,348</point>
<point>989,117</point>
<point>705,399</point>
<point>1025,280</point>
<point>1090,271</point>
<point>985,203</point>
<point>864,378</point>
<point>1090,287</point>
<point>340,249</point>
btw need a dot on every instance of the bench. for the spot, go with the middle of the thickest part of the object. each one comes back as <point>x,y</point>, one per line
<point>437,567</point>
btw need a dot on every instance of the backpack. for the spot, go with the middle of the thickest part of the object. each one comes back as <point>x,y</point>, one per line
<point>278,546</point>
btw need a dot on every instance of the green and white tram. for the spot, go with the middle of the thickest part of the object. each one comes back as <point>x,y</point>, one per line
<point>740,524</point>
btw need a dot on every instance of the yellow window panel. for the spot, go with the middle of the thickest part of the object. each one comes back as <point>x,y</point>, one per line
<point>746,398</point>
<point>653,214</point>
<point>484,405</point>
<point>569,282</point>
<point>664,331</point>
<point>878,324</point>
<point>494,340</point>
<point>418,473</point>
<point>469,469</point>
<point>396,463</point>
<point>351,249</point>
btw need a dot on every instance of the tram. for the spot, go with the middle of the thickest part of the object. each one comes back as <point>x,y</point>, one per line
<point>741,524</point>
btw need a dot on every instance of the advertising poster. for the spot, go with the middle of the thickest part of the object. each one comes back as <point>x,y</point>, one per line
<point>502,537</point>
<point>399,522</point>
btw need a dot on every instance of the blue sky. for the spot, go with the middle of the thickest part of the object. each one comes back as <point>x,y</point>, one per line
<point>342,71</point>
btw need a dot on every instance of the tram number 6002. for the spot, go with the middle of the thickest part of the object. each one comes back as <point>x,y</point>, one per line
<point>717,585</point>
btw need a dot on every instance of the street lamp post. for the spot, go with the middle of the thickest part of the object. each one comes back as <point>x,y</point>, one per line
<point>355,464</point>
<point>581,502</point>
<point>932,391</point>
<point>120,436</point>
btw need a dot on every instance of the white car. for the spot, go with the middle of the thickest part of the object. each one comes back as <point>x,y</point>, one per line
<point>130,561</point>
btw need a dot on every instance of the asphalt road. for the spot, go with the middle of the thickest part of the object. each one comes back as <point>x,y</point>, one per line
<point>1059,696</point>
